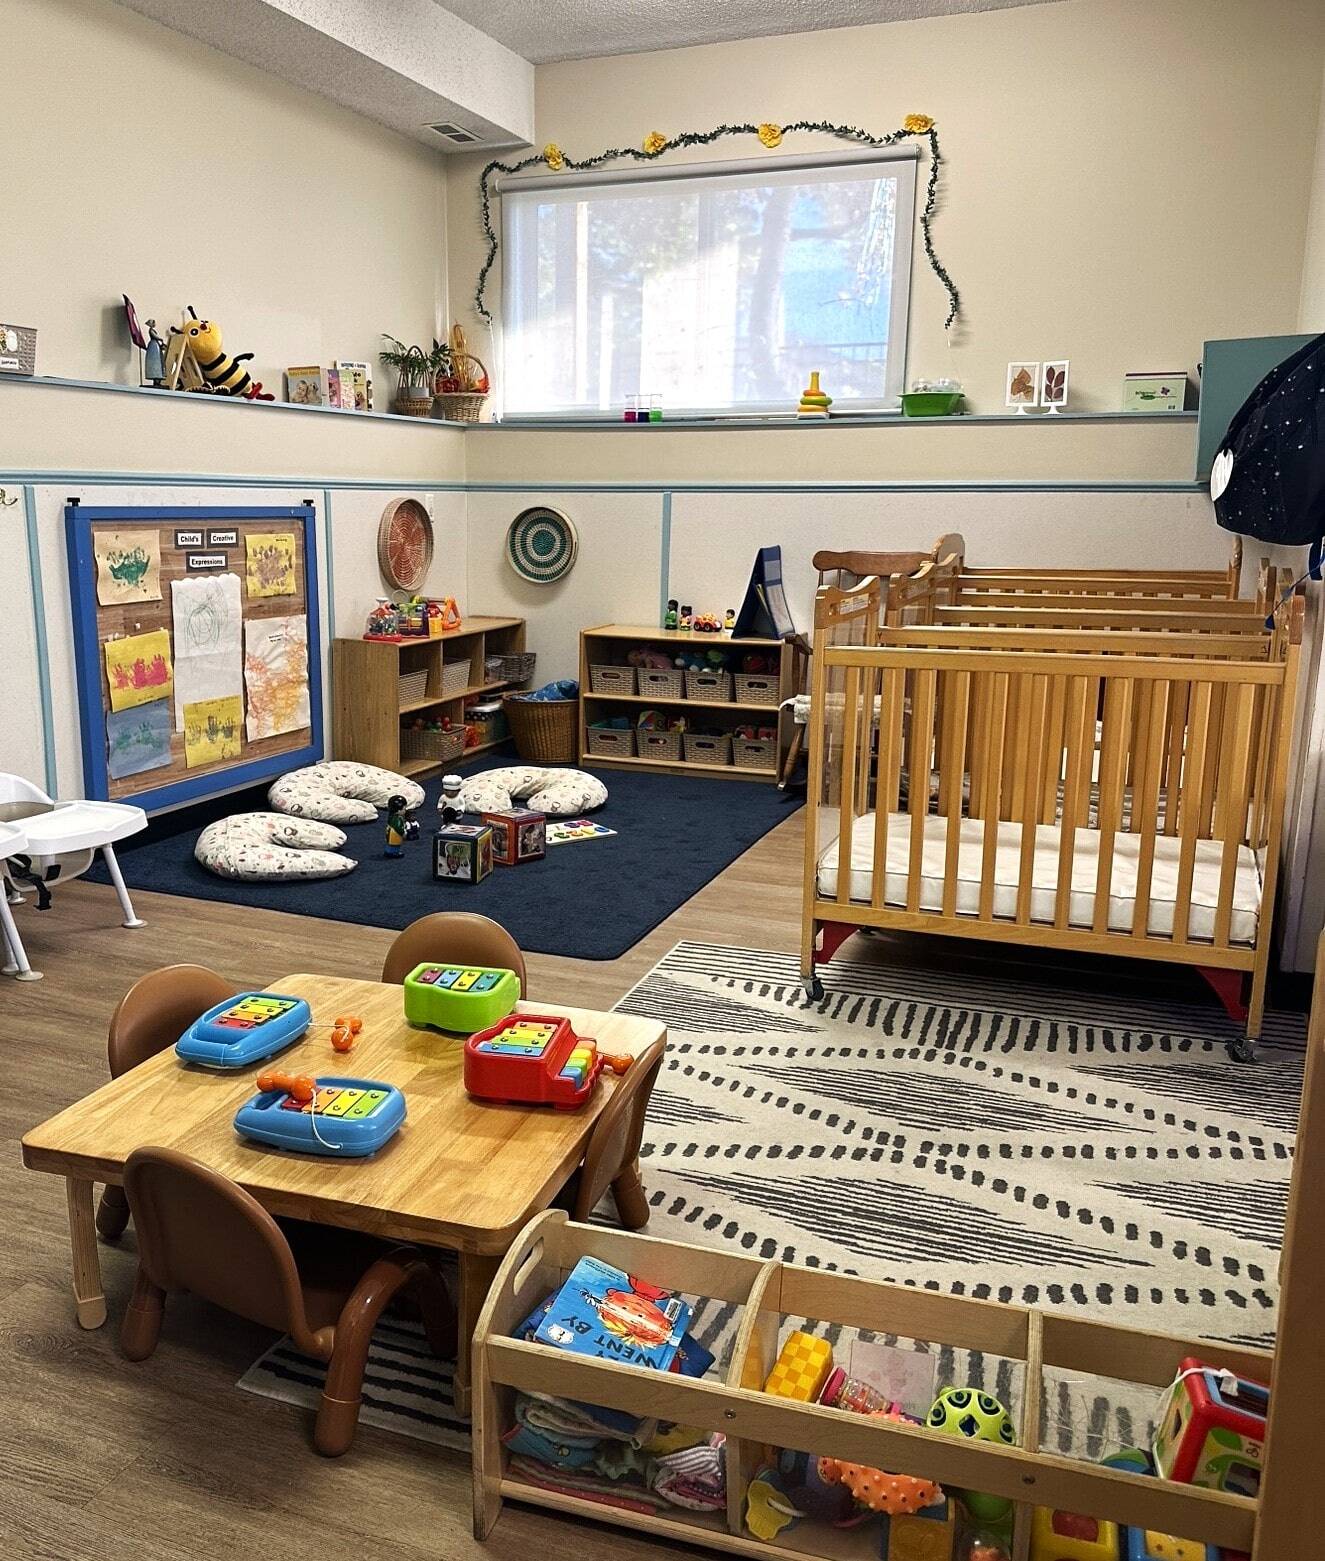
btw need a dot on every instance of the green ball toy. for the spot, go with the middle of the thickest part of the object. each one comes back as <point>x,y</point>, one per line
<point>977,1416</point>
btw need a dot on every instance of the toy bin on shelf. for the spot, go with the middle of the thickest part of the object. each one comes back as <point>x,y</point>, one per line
<point>715,687</point>
<point>611,742</point>
<point>612,680</point>
<point>665,747</point>
<point>754,753</point>
<point>767,1300</point>
<point>431,748</point>
<point>706,748</point>
<point>661,682</point>
<point>756,690</point>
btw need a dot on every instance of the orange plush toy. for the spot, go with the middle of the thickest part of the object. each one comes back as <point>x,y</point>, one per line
<point>895,1494</point>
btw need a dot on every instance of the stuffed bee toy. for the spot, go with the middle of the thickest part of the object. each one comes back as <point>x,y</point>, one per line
<point>225,375</point>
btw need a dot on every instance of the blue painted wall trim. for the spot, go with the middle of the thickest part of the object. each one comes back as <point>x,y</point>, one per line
<point>43,645</point>
<point>665,559</point>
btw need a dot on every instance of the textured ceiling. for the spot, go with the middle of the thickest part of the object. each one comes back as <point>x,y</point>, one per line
<point>581,29</point>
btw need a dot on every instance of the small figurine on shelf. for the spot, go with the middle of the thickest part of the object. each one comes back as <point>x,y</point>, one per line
<point>814,402</point>
<point>671,618</point>
<point>729,619</point>
<point>154,358</point>
<point>397,827</point>
<point>686,621</point>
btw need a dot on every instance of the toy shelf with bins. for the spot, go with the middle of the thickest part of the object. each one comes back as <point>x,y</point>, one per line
<point>611,644</point>
<point>769,1296</point>
<point>379,684</point>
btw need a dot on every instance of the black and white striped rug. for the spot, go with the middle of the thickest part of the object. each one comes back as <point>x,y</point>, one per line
<point>997,1140</point>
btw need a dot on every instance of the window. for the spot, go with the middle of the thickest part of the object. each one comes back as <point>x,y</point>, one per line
<point>718,287</point>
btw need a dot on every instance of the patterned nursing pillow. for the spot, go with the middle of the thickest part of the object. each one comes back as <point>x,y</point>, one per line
<point>270,847</point>
<point>559,793</point>
<point>339,792</point>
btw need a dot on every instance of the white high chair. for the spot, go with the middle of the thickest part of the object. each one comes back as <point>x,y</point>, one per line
<point>60,841</point>
<point>13,842</point>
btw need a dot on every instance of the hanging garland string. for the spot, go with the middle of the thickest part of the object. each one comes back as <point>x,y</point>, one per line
<point>655,144</point>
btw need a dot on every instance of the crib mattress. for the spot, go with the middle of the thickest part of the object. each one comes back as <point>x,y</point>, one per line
<point>1044,879</point>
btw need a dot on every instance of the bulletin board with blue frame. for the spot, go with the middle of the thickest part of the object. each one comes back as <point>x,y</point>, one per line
<point>146,751</point>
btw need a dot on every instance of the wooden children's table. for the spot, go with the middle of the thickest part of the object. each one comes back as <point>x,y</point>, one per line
<point>461,1174</point>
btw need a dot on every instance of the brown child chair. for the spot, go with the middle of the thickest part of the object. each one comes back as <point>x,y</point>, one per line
<point>611,1158</point>
<point>454,938</point>
<point>200,1232</point>
<point>153,1014</point>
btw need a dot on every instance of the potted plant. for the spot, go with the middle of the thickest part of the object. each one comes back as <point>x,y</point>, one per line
<point>415,370</point>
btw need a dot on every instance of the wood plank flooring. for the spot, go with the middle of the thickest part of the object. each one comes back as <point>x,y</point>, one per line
<point>104,1460</point>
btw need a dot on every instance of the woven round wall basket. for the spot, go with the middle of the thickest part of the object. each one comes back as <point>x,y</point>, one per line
<point>541,545</point>
<point>404,544</point>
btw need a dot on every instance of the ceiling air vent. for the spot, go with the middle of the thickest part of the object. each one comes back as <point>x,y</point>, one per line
<point>450,132</point>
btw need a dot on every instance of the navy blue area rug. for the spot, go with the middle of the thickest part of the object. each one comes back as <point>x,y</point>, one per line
<point>588,899</point>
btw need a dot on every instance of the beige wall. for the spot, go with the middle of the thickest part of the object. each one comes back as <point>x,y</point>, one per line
<point>1311,314</point>
<point>1124,178</point>
<point>137,160</point>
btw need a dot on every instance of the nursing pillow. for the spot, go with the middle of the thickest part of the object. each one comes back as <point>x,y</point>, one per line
<point>557,792</point>
<point>339,792</point>
<point>269,847</point>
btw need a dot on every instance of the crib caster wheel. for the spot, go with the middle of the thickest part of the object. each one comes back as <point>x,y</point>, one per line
<point>1242,1051</point>
<point>814,989</point>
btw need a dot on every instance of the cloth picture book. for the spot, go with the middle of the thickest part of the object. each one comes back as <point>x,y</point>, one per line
<point>602,1311</point>
<point>764,613</point>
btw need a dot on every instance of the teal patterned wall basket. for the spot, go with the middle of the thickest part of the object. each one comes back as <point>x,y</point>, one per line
<point>541,544</point>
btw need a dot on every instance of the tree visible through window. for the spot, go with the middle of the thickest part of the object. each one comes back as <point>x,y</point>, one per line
<point>717,291</point>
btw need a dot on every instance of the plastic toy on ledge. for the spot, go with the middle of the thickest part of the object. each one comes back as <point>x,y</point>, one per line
<point>814,403</point>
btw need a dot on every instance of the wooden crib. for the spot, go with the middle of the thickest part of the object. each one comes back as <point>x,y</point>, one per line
<point>1116,795</point>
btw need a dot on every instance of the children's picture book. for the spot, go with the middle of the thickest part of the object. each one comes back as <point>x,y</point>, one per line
<point>764,613</point>
<point>604,1312</point>
<point>562,830</point>
<point>356,376</point>
<point>303,386</point>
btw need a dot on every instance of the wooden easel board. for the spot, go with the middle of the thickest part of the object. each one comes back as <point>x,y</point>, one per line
<point>96,622</point>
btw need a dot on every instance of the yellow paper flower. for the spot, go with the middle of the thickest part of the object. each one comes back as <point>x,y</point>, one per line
<point>917,124</point>
<point>554,157</point>
<point>770,135</point>
<point>654,142</point>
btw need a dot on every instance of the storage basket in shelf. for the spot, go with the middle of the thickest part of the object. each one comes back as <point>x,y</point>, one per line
<point>754,753</point>
<point>546,731</point>
<point>413,686</point>
<point>492,669</point>
<point>704,748</point>
<point>463,406</point>
<point>709,685</point>
<point>665,747</point>
<point>756,688</point>
<point>611,680</point>
<point>517,666</point>
<point>661,682</point>
<point>455,676</point>
<point>611,742</point>
<point>443,747</point>
<point>1038,1348</point>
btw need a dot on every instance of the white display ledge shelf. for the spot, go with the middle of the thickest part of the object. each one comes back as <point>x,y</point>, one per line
<point>606,424</point>
<point>196,398</point>
<point>844,420</point>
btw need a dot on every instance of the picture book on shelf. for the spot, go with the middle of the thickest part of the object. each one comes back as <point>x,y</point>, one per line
<point>604,1312</point>
<point>303,386</point>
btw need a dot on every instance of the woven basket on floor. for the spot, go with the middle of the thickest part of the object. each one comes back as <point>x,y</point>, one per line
<point>545,731</point>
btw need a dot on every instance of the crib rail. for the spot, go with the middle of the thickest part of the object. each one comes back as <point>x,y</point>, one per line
<point>1166,586</point>
<point>1036,781</point>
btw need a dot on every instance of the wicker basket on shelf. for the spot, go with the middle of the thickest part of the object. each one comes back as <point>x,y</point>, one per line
<point>464,405</point>
<point>441,747</point>
<point>545,731</point>
<point>413,396</point>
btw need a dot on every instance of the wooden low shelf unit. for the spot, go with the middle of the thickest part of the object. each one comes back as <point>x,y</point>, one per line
<point>611,643</point>
<point>371,678</point>
<point>766,1294</point>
